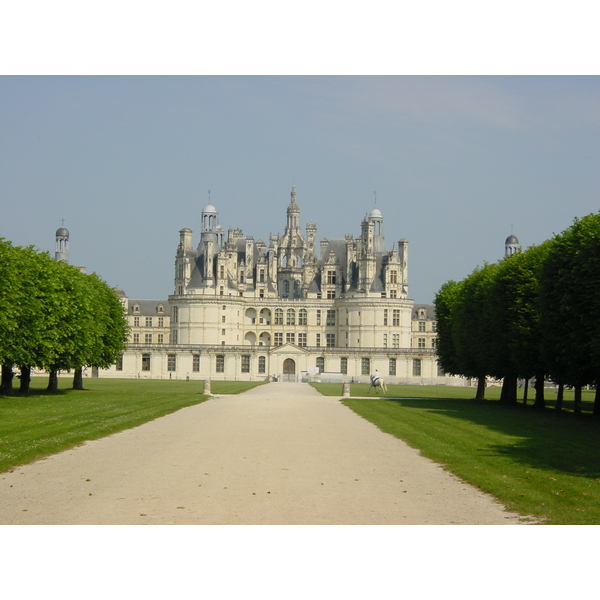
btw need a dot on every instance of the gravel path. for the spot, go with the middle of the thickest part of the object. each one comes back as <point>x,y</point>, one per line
<point>279,454</point>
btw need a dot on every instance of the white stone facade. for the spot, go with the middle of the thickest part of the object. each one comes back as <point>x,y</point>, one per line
<point>294,310</point>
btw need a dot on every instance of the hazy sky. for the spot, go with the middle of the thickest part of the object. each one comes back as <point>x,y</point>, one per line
<point>456,164</point>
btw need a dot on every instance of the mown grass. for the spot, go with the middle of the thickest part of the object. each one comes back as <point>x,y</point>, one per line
<point>539,463</point>
<point>43,423</point>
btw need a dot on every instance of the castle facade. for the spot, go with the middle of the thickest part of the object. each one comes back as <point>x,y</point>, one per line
<point>298,309</point>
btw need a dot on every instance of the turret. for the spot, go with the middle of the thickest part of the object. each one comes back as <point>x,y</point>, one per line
<point>62,244</point>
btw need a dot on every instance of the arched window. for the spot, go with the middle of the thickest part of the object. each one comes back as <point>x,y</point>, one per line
<point>286,287</point>
<point>321,363</point>
<point>344,365</point>
<point>297,292</point>
<point>278,316</point>
<point>302,317</point>
<point>291,316</point>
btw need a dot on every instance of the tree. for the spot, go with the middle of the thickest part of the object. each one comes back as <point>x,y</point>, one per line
<point>570,306</point>
<point>516,341</point>
<point>445,306</point>
<point>471,328</point>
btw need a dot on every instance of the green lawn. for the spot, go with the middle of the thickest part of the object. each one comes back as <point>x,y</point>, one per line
<point>43,423</point>
<point>535,462</point>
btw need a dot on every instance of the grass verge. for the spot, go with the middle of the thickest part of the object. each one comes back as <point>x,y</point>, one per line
<point>43,423</point>
<point>535,462</point>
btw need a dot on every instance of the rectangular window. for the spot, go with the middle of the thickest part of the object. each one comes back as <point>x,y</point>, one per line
<point>261,276</point>
<point>171,362</point>
<point>148,321</point>
<point>434,342</point>
<point>148,338</point>
<point>434,326</point>
<point>392,368</point>
<point>331,277</point>
<point>222,332</point>
<point>196,363</point>
<point>318,317</point>
<point>161,321</point>
<point>383,294</point>
<point>302,317</point>
<point>421,326</point>
<point>290,338</point>
<point>385,316</point>
<point>393,276</point>
<point>145,362</point>
<point>262,364</point>
<point>174,336</point>
<point>416,367</point>
<point>392,293</point>
<point>220,363</point>
<point>344,365</point>
<point>385,340</point>
<point>136,338</point>
<point>291,316</point>
<point>440,371</point>
<point>136,321</point>
<point>261,293</point>
<point>421,343</point>
<point>396,340</point>
<point>365,366</point>
<point>396,318</point>
<point>330,294</point>
<point>245,363</point>
<point>318,339</point>
<point>160,338</point>
<point>119,363</point>
<point>321,364</point>
<point>302,339</point>
<point>330,340</point>
<point>279,339</point>
<point>330,321</point>
<point>175,316</point>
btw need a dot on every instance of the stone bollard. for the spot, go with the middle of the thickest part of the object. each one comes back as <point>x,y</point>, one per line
<point>206,386</point>
<point>346,391</point>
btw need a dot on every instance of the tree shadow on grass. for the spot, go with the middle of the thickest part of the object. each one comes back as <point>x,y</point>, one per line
<point>564,442</point>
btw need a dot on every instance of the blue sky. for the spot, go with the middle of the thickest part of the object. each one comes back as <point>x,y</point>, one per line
<point>455,163</point>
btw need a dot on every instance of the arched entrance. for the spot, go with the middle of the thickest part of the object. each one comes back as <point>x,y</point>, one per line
<point>289,370</point>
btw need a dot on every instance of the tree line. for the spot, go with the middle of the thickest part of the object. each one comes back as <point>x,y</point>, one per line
<point>534,314</point>
<point>54,317</point>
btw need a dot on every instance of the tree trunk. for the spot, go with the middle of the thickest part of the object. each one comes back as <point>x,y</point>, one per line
<point>7,380</point>
<point>78,379</point>
<point>539,391</point>
<point>560,395</point>
<point>525,391</point>
<point>577,400</point>
<point>25,379</point>
<point>53,380</point>
<point>508,395</point>
<point>480,394</point>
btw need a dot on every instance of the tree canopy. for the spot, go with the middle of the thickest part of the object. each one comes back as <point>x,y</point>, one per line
<point>533,314</point>
<point>54,317</point>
